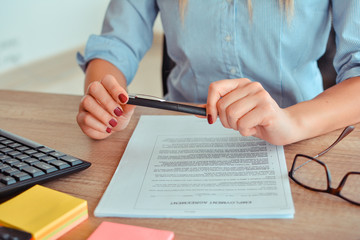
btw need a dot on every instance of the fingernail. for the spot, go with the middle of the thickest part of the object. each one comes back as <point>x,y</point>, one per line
<point>210,120</point>
<point>108,130</point>
<point>122,98</point>
<point>112,122</point>
<point>118,112</point>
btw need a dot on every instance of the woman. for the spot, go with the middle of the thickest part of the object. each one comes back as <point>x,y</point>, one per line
<point>254,64</point>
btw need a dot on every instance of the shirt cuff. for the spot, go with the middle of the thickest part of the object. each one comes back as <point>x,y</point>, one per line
<point>111,50</point>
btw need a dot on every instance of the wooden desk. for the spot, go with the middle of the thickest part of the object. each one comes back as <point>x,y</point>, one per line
<point>50,119</point>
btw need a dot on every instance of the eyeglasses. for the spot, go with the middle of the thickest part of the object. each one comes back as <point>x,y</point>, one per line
<point>314,175</point>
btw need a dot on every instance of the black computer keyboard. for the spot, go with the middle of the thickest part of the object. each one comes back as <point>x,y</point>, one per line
<point>24,163</point>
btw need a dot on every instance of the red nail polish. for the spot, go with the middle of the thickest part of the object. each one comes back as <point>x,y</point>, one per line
<point>112,122</point>
<point>122,98</point>
<point>210,120</point>
<point>108,130</point>
<point>118,112</point>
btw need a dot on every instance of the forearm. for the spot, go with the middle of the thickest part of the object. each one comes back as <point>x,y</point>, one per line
<point>98,68</point>
<point>335,108</point>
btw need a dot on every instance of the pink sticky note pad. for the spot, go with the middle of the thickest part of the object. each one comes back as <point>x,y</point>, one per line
<point>109,230</point>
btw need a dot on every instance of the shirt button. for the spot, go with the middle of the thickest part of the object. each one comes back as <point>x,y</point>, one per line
<point>228,38</point>
<point>233,70</point>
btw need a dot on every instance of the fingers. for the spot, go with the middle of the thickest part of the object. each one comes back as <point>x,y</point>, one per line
<point>103,110</point>
<point>239,102</point>
<point>96,131</point>
<point>241,105</point>
<point>116,92</point>
<point>91,105</point>
<point>247,125</point>
<point>107,93</point>
<point>118,95</point>
<point>218,90</point>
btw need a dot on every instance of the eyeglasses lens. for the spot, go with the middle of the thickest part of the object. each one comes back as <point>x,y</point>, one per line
<point>351,189</point>
<point>310,173</point>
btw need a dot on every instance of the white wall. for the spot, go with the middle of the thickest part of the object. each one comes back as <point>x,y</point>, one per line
<point>31,30</point>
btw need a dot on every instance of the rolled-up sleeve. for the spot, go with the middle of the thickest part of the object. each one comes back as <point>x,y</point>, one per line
<point>346,20</point>
<point>127,34</point>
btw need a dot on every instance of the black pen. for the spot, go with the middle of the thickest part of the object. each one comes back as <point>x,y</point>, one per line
<point>153,102</point>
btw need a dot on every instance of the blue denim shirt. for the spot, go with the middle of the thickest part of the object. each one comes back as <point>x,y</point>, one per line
<point>217,39</point>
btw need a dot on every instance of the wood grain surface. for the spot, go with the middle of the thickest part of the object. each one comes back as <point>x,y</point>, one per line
<point>50,120</point>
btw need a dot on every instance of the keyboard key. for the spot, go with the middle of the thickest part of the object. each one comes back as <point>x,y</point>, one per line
<point>60,164</point>
<point>71,160</point>
<point>22,148</point>
<point>10,171</point>
<point>13,153</point>
<point>7,142</point>
<point>12,161</point>
<point>33,171</point>
<point>6,150</point>
<point>22,157</point>
<point>21,165</point>
<point>4,157</point>
<point>7,179</point>
<point>46,150</point>
<point>3,166</point>
<point>14,145</point>
<point>57,154</point>
<point>31,161</point>
<point>39,155</point>
<point>45,167</point>
<point>30,151</point>
<point>48,159</point>
<point>21,176</point>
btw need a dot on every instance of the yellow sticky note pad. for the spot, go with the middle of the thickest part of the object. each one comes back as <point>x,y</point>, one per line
<point>43,212</point>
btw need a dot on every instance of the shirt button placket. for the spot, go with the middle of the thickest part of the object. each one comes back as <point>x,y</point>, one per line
<point>228,38</point>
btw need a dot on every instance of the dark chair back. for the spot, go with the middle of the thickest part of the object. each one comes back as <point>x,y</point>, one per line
<point>325,63</point>
<point>167,66</point>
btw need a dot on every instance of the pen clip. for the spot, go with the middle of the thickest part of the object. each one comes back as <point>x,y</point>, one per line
<point>145,96</point>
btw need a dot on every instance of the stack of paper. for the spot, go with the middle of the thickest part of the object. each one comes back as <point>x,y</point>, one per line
<point>182,167</point>
<point>43,212</point>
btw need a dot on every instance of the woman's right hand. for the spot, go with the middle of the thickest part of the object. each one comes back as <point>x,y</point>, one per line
<point>103,109</point>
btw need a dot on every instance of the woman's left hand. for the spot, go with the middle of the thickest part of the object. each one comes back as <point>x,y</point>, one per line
<point>247,107</point>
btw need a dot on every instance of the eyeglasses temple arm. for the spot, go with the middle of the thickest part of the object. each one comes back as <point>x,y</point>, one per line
<point>344,133</point>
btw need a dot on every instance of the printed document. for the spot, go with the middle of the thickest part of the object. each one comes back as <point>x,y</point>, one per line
<point>182,167</point>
